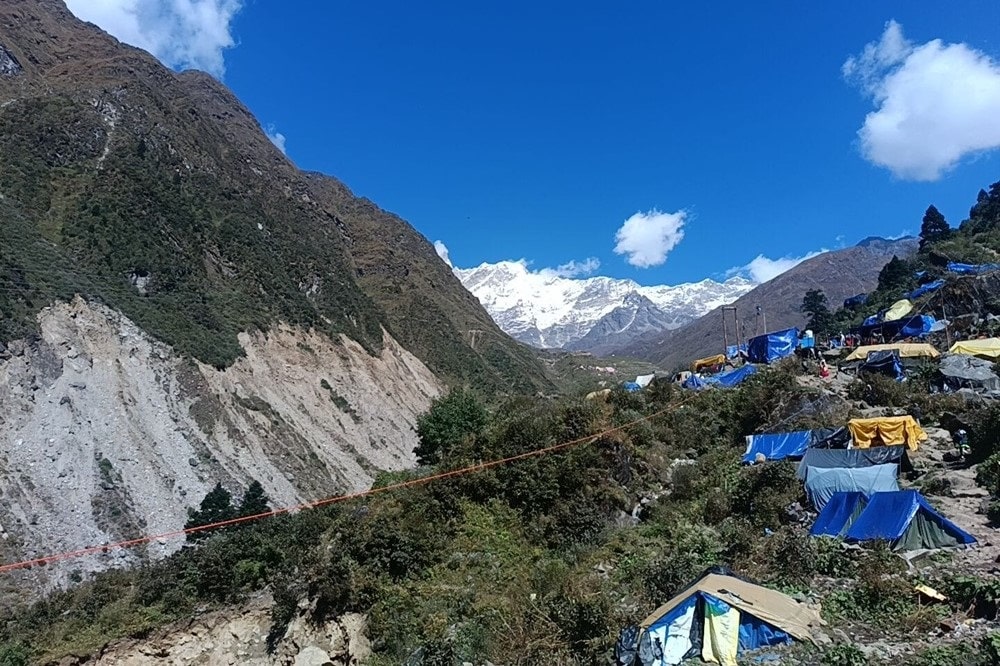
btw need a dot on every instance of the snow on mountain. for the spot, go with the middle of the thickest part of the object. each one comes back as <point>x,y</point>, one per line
<point>545,309</point>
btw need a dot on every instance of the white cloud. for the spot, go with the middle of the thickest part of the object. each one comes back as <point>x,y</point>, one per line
<point>276,137</point>
<point>442,251</point>
<point>647,238</point>
<point>184,34</point>
<point>762,269</point>
<point>935,103</point>
<point>574,268</point>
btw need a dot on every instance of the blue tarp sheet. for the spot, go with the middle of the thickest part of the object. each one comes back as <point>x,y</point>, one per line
<point>925,289</point>
<point>908,327</point>
<point>733,377</point>
<point>821,484</point>
<point>888,516</point>
<point>777,446</point>
<point>884,362</point>
<point>732,351</point>
<point>838,515</point>
<point>772,346</point>
<point>631,387</point>
<point>871,321</point>
<point>971,269</point>
<point>755,633</point>
<point>854,301</point>
<point>695,383</point>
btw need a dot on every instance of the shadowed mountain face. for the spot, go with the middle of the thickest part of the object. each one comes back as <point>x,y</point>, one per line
<point>839,274</point>
<point>158,194</point>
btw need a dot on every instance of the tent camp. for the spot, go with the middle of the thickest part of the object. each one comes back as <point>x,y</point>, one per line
<point>960,371</point>
<point>822,484</point>
<point>771,347</point>
<point>886,431</point>
<point>898,310</point>
<point>720,617</point>
<point>987,347</point>
<point>903,518</point>
<point>853,458</point>
<point>885,363</point>
<point>905,350</point>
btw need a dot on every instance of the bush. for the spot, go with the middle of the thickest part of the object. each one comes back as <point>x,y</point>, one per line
<point>843,654</point>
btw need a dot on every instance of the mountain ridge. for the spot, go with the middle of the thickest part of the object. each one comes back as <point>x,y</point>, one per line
<point>545,309</point>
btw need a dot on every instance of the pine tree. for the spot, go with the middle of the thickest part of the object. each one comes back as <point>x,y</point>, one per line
<point>934,226</point>
<point>814,304</point>
<point>216,507</point>
<point>895,275</point>
<point>255,501</point>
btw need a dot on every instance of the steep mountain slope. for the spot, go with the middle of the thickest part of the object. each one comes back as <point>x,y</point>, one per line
<point>179,305</point>
<point>592,314</point>
<point>839,274</point>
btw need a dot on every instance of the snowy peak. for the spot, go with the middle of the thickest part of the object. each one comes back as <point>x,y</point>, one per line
<point>546,309</point>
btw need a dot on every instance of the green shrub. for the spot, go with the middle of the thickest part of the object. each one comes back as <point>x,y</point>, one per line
<point>843,654</point>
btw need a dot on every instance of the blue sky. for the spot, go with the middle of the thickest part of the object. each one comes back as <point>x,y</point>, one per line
<point>535,130</point>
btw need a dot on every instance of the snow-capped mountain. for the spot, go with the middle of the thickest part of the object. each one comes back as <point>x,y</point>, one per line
<point>600,314</point>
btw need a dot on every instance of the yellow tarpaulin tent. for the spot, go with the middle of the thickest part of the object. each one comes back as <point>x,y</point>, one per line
<point>718,359</point>
<point>889,430</point>
<point>990,347</point>
<point>906,350</point>
<point>898,310</point>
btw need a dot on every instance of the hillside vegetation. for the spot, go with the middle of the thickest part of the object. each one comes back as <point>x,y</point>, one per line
<point>159,194</point>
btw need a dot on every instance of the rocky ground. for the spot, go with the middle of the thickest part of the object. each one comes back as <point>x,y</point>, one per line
<point>107,434</point>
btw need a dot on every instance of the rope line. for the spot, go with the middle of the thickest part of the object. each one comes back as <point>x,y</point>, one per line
<point>461,471</point>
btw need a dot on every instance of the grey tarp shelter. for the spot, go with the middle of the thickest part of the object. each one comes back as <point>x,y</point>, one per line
<point>821,483</point>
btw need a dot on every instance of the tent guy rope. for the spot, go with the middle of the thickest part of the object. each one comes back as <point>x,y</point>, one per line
<point>462,471</point>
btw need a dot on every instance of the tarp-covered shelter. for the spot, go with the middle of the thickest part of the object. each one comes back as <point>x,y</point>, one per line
<point>732,351</point>
<point>898,310</point>
<point>644,380</point>
<point>720,617</point>
<point>886,431</point>
<point>925,289</point>
<point>987,347</point>
<point>771,347</point>
<point>909,327</point>
<point>839,514</point>
<point>855,301</point>
<point>904,349</point>
<point>708,362</point>
<point>821,484</point>
<point>853,458</point>
<point>971,269</point>
<point>903,518</point>
<point>961,371</point>
<point>733,377</point>
<point>885,362</point>
<point>631,387</point>
<point>695,383</point>
<point>777,446</point>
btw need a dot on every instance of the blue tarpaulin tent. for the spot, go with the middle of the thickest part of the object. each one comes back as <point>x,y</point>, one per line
<point>777,446</point>
<point>908,327</point>
<point>855,301</point>
<point>821,484</point>
<point>839,514</point>
<point>884,362</point>
<point>733,377</point>
<point>871,321</point>
<point>695,383</point>
<point>770,347</point>
<point>732,351</point>
<point>631,387</point>
<point>971,269</point>
<point>832,458</point>
<point>907,521</point>
<point>925,289</point>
